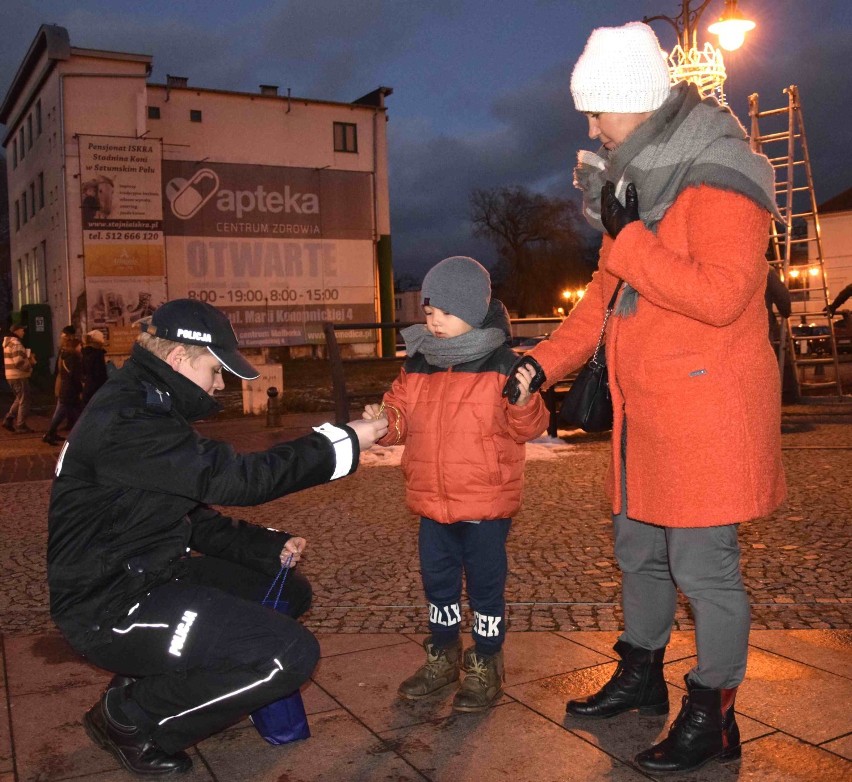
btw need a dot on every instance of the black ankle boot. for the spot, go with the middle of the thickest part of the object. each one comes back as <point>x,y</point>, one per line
<point>637,683</point>
<point>706,729</point>
<point>131,745</point>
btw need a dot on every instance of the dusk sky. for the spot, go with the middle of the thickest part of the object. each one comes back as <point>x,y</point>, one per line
<point>481,87</point>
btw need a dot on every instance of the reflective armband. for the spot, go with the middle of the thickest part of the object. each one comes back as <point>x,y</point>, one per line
<point>343,452</point>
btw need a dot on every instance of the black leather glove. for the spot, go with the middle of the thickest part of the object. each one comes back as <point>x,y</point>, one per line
<point>512,389</point>
<point>614,216</point>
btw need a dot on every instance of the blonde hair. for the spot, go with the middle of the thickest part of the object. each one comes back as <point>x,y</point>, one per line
<point>162,347</point>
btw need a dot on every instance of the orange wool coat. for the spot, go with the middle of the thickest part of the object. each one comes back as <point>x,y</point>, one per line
<point>691,372</point>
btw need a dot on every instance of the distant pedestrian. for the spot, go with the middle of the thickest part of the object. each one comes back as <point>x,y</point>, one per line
<point>464,465</point>
<point>684,207</point>
<point>839,300</point>
<point>778,296</point>
<point>18,362</point>
<point>93,356</point>
<point>68,386</point>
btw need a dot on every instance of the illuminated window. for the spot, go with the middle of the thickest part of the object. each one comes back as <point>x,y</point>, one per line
<point>195,115</point>
<point>345,137</point>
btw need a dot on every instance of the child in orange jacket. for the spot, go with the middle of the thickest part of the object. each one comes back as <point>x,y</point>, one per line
<point>464,465</point>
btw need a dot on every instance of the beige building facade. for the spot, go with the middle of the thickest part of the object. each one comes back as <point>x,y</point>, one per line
<point>125,193</point>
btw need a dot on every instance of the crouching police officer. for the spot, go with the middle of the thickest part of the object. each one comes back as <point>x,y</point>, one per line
<point>193,648</point>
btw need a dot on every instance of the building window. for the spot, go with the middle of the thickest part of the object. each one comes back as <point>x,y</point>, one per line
<point>17,215</point>
<point>30,131</point>
<point>14,153</point>
<point>30,274</point>
<point>32,199</point>
<point>21,148</point>
<point>195,115</point>
<point>24,210</point>
<point>38,117</point>
<point>153,112</point>
<point>345,137</point>
<point>41,190</point>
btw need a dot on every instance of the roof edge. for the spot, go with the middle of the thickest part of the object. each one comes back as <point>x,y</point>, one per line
<point>50,38</point>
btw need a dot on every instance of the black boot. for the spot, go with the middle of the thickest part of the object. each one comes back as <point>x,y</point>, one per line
<point>706,729</point>
<point>134,749</point>
<point>637,683</point>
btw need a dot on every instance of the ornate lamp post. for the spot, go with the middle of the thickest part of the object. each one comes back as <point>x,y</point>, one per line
<point>705,66</point>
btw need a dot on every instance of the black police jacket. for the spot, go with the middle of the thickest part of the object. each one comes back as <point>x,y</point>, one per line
<point>132,492</point>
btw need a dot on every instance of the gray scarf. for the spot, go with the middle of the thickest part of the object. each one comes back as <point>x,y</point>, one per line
<point>687,141</point>
<point>447,352</point>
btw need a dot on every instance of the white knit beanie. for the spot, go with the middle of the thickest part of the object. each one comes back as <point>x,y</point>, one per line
<point>622,69</point>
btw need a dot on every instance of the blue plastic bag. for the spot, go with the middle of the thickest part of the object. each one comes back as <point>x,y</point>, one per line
<point>284,720</point>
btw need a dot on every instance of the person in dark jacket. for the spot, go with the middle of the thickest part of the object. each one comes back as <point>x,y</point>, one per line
<point>93,356</point>
<point>194,649</point>
<point>839,300</point>
<point>69,386</point>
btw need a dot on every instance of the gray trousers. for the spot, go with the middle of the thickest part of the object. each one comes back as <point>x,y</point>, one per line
<point>704,563</point>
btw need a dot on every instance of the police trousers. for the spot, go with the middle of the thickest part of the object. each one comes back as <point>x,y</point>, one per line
<point>206,653</point>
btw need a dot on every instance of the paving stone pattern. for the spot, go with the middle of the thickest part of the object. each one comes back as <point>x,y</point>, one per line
<point>362,557</point>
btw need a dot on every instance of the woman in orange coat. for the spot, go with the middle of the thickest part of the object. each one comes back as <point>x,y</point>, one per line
<point>685,208</point>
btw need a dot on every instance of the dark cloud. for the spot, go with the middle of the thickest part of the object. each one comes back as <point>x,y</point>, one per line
<point>481,95</point>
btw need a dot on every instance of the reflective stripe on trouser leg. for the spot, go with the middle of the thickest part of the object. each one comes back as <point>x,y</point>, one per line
<point>234,657</point>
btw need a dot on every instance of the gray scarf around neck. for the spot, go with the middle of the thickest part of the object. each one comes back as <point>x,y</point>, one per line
<point>687,141</point>
<point>446,352</point>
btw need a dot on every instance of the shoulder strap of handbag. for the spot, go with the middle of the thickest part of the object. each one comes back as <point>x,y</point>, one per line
<point>609,309</point>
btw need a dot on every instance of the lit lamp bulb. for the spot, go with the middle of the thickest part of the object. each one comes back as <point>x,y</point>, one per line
<point>566,294</point>
<point>731,27</point>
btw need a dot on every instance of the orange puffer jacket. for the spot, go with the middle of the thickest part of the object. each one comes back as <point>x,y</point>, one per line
<point>464,444</point>
<point>692,372</point>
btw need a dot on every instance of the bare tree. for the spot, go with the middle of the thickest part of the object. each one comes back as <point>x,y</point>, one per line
<point>539,244</point>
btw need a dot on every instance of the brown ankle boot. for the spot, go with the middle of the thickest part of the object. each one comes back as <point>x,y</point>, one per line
<point>483,681</point>
<point>440,669</point>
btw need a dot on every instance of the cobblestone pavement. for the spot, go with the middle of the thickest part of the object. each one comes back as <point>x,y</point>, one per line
<point>362,541</point>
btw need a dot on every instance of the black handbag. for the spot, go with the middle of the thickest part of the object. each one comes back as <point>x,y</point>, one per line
<point>588,403</point>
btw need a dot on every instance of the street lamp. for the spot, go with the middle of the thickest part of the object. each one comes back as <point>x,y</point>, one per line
<point>704,67</point>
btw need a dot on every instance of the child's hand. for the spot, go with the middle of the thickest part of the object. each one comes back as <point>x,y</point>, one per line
<point>524,376</point>
<point>372,412</point>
